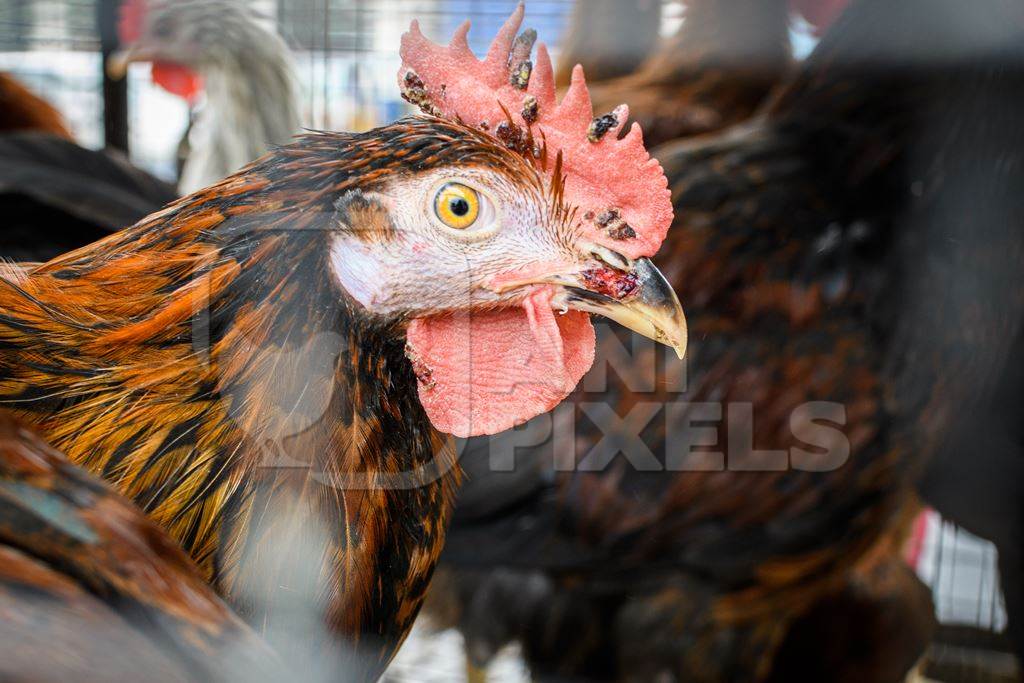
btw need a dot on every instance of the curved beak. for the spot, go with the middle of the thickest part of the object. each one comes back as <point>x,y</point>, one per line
<point>649,305</point>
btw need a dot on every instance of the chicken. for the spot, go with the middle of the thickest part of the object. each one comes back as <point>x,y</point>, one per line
<point>609,38</point>
<point>714,72</point>
<point>91,590</point>
<point>251,91</point>
<point>242,66</point>
<point>856,249</point>
<point>873,629</point>
<point>263,366</point>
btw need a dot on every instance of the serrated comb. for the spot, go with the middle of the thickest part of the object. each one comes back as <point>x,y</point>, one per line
<point>620,192</point>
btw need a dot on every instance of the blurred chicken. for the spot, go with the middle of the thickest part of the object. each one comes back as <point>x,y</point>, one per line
<point>852,262</point>
<point>59,196</point>
<point>610,38</point>
<point>243,67</point>
<point>56,196</point>
<point>713,72</point>
<point>91,590</point>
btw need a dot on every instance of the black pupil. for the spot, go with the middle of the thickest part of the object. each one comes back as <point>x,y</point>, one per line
<point>458,206</point>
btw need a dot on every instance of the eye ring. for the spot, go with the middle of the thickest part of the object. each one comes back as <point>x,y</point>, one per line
<point>457,205</point>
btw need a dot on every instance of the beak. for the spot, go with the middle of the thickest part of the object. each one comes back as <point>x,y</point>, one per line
<point>651,309</point>
<point>118,62</point>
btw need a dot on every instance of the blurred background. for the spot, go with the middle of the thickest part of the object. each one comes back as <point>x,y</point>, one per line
<point>345,57</point>
<point>344,50</point>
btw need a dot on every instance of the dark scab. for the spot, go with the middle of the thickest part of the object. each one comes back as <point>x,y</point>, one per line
<point>413,81</point>
<point>531,109</point>
<point>522,47</point>
<point>622,231</point>
<point>611,282</point>
<point>607,217</point>
<point>513,137</point>
<point>600,126</point>
<point>612,223</point>
<point>520,75</point>
<point>484,126</point>
<point>423,373</point>
<point>415,92</point>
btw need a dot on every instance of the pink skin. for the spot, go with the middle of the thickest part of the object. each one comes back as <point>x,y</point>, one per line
<point>491,371</point>
<point>532,273</point>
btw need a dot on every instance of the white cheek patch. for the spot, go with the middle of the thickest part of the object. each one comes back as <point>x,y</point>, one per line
<point>360,271</point>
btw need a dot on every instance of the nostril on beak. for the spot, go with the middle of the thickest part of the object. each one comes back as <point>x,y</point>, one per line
<point>612,258</point>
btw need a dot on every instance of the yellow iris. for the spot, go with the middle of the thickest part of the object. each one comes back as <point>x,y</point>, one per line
<point>457,205</point>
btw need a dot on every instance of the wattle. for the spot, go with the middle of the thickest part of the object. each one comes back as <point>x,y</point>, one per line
<point>177,80</point>
<point>483,373</point>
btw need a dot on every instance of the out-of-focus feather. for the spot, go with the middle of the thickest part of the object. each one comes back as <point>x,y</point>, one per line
<point>92,590</point>
<point>99,186</point>
<point>23,110</point>
<point>609,38</point>
<point>714,72</point>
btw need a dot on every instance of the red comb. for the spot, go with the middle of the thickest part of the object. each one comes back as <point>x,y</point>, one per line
<point>621,192</point>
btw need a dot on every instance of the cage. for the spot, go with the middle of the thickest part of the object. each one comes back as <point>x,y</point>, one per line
<point>346,59</point>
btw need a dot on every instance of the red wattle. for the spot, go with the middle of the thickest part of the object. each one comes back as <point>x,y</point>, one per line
<point>483,373</point>
<point>177,80</point>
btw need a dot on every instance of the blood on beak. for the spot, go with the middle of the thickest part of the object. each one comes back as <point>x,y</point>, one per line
<point>640,299</point>
<point>633,293</point>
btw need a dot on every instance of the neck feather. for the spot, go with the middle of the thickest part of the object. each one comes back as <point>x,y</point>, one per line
<point>209,367</point>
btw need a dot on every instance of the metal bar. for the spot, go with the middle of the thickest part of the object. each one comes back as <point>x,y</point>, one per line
<point>115,92</point>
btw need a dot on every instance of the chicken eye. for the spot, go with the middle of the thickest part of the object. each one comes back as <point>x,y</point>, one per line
<point>457,205</point>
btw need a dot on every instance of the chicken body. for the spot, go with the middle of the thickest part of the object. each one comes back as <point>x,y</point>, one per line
<point>249,82</point>
<point>858,244</point>
<point>162,358</point>
<point>609,38</point>
<point>22,110</point>
<point>57,196</point>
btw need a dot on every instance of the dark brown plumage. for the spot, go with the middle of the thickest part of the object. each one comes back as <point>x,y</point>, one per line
<point>56,196</point>
<point>859,243</point>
